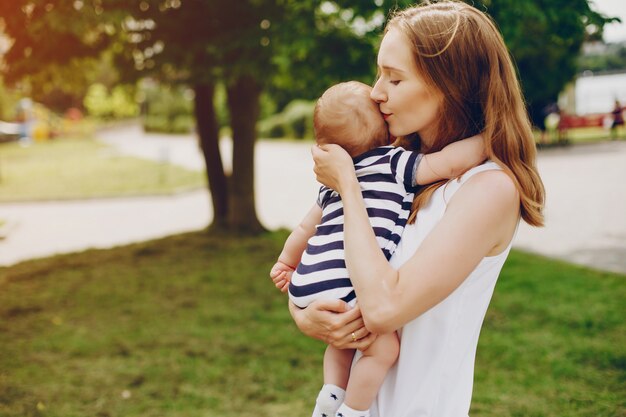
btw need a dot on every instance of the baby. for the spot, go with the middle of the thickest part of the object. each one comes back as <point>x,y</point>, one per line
<point>312,263</point>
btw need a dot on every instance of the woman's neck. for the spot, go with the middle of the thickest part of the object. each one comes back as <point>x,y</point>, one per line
<point>427,139</point>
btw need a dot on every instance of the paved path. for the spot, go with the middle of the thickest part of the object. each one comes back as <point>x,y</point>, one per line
<point>585,209</point>
<point>585,206</point>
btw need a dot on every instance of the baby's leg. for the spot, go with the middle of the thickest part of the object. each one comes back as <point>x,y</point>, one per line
<point>369,372</point>
<point>337,363</point>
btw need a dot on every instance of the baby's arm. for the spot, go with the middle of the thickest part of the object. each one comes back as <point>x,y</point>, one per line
<point>295,245</point>
<point>451,161</point>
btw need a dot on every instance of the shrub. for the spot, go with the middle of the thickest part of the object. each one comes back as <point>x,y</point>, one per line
<point>119,103</point>
<point>168,109</point>
<point>295,121</point>
<point>97,101</point>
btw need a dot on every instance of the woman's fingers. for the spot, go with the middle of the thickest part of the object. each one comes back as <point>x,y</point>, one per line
<point>352,333</point>
<point>360,339</point>
<point>357,327</point>
<point>332,163</point>
<point>335,306</point>
<point>364,343</point>
<point>349,330</point>
<point>352,313</point>
<point>334,322</point>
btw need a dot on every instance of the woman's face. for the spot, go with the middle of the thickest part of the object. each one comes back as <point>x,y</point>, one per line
<point>407,103</point>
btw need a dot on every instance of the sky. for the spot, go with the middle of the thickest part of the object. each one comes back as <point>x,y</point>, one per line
<point>615,32</point>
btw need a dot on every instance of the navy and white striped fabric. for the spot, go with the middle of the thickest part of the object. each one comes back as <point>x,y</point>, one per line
<point>387,178</point>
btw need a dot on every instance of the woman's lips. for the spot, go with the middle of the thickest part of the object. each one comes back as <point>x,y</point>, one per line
<point>386,116</point>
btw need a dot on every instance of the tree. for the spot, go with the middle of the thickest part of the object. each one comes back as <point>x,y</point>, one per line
<point>251,46</point>
<point>53,58</point>
<point>200,42</point>
<point>545,39</point>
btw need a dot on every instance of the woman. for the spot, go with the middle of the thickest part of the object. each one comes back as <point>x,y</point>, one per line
<point>444,72</point>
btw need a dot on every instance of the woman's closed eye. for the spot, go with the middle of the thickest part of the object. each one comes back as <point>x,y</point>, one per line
<point>395,82</point>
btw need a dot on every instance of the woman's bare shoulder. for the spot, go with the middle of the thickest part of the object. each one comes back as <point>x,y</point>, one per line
<point>493,187</point>
<point>487,205</point>
<point>495,180</point>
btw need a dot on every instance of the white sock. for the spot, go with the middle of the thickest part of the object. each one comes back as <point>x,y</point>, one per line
<point>328,400</point>
<point>345,411</point>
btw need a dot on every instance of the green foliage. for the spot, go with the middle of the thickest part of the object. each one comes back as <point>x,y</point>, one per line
<point>287,48</point>
<point>97,101</point>
<point>268,106</point>
<point>612,57</point>
<point>111,332</point>
<point>221,108</point>
<point>295,121</point>
<point>545,39</point>
<point>123,102</point>
<point>55,49</point>
<point>8,102</point>
<point>168,109</point>
<point>119,103</point>
<point>294,49</point>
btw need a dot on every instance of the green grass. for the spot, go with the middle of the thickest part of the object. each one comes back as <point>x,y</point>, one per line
<point>192,326</point>
<point>83,168</point>
<point>580,135</point>
<point>588,134</point>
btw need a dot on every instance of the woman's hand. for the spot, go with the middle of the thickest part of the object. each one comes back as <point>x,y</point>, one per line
<point>333,166</point>
<point>333,322</point>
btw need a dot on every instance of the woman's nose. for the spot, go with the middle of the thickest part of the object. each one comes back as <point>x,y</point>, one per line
<point>377,94</point>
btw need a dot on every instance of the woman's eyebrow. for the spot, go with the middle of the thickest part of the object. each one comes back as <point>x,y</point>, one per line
<point>390,68</point>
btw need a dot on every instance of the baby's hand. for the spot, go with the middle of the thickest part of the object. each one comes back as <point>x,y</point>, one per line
<point>281,275</point>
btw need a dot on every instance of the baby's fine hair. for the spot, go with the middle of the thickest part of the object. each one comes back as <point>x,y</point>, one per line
<point>346,115</point>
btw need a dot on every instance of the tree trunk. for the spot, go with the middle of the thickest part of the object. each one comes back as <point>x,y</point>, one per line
<point>208,133</point>
<point>243,106</point>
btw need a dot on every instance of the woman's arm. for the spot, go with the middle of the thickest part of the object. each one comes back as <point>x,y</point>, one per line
<point>480,219</point>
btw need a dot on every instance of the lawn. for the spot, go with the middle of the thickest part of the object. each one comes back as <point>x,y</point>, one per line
<point>191,325</point>
<point>580,135</point>
<point>83,168</point>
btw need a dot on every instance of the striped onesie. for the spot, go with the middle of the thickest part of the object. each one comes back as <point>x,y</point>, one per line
<point>387,179</point>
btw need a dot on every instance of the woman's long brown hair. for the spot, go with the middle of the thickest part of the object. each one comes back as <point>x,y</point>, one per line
<point>459,52</point>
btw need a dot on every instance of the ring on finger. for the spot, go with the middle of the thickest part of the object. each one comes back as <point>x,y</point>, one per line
<point>354,339</point>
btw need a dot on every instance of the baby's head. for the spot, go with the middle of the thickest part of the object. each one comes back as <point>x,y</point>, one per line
<point>346,115</point>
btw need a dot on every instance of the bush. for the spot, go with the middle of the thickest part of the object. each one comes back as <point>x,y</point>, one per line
<point>119,103</point>
<point>295,121</point>
<point>155,124</point>
<point>8,103</point>
<point>123,102</point>
<point>180,124</point>
<point>97,101</point>
<point>183,123</point>
<point>168,109</point>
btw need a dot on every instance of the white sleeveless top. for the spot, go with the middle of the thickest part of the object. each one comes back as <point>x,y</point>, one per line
<point>434,373</point>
